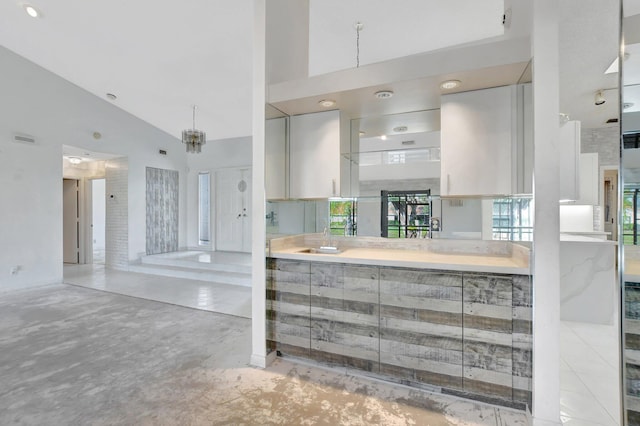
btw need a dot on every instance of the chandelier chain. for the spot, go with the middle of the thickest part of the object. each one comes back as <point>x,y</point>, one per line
<point>358,45</point>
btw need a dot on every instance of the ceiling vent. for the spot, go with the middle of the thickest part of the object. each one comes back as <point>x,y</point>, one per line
<point>456,203</point>
<point>162,152</point>
<point>612,120</point>
<point>408,142</point>
<point>22,138</point>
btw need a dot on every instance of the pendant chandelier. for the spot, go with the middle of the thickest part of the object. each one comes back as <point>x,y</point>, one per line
<point>193,138</point>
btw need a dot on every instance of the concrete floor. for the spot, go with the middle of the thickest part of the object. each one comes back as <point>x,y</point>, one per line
<point>76,356</point>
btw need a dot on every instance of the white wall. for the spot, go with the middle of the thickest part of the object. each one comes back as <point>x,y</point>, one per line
<point>56,112</point>
<point>224,153</point>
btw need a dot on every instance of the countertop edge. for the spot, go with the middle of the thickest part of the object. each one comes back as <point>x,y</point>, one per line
<point>330,258</point>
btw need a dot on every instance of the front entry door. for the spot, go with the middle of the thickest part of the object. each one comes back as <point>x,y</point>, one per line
<point>233,208</point>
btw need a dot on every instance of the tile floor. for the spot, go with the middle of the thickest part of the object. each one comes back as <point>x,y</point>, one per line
<point>589,374</point>
<point>209,296</point>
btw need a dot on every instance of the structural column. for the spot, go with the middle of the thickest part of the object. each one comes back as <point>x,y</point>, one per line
<point>546,235</point>
<point>258,265</point>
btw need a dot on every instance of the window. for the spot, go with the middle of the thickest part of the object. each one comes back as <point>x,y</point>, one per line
<point>204,208</point>
<point>512,219</point>
<point>342,217</point>
<point>405,214</point>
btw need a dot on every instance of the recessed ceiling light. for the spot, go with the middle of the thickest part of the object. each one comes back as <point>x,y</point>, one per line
<point>75,160</point>
<point>97,135</point>
<point>383,137</point>
<point>627,105</point>
<point>362,133</point>
<point>327,103</point>
<point>450,84</point>
<point>383,94</point>
<point>400,129</point>
<point>111,96</point>
<point>31,11</point>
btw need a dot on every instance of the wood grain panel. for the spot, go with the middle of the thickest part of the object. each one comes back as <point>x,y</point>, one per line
<point>287,304</point>
<point>344,315</point>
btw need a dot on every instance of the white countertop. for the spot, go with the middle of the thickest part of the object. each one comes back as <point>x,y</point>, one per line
<point>413,259</point>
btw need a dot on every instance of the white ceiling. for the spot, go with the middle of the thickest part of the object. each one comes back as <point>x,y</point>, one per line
<point>589,42</point>
<point>390,31</point>
<point>158,57</point>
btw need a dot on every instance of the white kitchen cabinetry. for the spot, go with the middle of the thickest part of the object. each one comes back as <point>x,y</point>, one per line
<point>569,157</point>
<point>276,169</point>
<point>315,162</point>
<point>588,179</point>
<point>486,142</point>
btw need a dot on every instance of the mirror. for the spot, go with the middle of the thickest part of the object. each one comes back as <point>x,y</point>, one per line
<point>630,279</point>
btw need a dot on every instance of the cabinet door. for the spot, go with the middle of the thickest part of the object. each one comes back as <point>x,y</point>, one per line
<point>569,148</point>
<point>589,179</point>
<point>287,307</point>
<point>477,130</point>
<point>276,158</point>
<point>315,155</point>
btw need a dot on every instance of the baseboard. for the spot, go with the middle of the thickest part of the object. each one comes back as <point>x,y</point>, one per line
<point>262,361</point>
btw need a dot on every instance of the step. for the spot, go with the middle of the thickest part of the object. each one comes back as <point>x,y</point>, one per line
<point>194,264</point>
<point>223,277</point>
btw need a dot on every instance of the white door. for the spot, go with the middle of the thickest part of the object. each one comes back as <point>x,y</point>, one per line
<point>70,221</point>
<point>233,206</point>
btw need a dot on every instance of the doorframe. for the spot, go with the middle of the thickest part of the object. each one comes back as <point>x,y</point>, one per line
<point>601,194</point>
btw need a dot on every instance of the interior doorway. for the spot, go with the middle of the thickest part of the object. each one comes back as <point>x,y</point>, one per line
<point>233,208</point>
<point>609,202</point>
<point>98,220</point>
<point>71,221</point>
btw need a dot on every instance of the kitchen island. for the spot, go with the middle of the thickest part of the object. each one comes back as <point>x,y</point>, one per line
<point>449,316</point>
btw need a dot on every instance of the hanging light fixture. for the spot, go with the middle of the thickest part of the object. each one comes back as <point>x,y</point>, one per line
<point>193,138</point>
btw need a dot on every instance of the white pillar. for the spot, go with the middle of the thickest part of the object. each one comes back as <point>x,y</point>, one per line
<point>546,234</point>
<point>258,287</point>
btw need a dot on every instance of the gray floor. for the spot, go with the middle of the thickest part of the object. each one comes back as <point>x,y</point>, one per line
<point>76,356</point>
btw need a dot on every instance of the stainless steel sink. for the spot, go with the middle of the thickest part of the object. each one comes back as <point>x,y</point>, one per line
<point>321,250</point>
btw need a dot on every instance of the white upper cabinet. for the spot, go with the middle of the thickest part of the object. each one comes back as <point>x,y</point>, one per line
<point>486,142</point>
<point>276,158</point>
<point>569,152</point>
<point>589,177</point>
<point>316,164</point>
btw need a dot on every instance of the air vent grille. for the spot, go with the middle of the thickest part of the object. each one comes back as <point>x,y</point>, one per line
<point>456,203</point>
<point>22,138</point>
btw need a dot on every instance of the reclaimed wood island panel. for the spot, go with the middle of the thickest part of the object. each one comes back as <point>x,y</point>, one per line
<point>463,333</point>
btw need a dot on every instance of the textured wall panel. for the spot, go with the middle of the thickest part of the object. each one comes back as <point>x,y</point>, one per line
<point>162,210</point>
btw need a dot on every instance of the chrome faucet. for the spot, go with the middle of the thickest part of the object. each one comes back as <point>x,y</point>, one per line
<point>326,237</point>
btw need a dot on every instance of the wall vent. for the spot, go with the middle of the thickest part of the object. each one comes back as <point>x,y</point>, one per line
<point>456,203</point>
<point>408,142</point>
<point>23,138</point>
<point>162,152</point>
<point>612,120</point>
